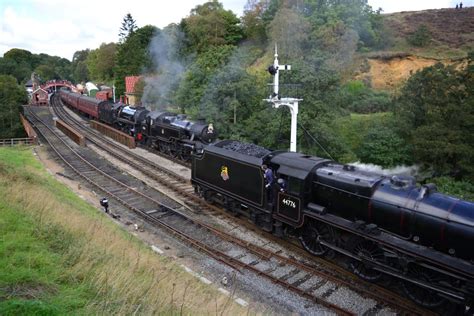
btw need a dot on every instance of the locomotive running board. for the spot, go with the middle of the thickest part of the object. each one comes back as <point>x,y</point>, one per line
<point>456,265</point>
<point>390,271</point>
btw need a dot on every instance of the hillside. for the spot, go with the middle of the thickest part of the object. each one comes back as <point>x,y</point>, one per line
<point>450,28</point>
<point>451,37</point>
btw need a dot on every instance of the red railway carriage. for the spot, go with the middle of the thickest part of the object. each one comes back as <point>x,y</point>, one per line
<point>104,95</point>
<point>69,98</point>
<point>89,106</point>
<point>82,103</point>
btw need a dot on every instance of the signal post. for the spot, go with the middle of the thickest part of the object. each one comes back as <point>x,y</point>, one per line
<point>277,101</point>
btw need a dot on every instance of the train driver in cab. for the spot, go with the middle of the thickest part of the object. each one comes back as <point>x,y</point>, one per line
<point>282,185</point>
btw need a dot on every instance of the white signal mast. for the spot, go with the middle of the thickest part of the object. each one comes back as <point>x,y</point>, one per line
<point>277,101</point>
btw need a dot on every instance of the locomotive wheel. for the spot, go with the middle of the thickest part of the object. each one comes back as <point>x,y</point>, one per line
<point>185,156</point>
<point>162,147</point>
<point>370,251</point>
<point>420,295</point>
<point>174,151</point>
<point>313,232</point>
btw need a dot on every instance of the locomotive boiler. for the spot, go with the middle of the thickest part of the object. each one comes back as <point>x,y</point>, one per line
<point>130,119</point>
<point>175,135</point>
<point>384,225</point>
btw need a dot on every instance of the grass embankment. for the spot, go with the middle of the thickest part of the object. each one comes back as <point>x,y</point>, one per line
<point>59,255</point>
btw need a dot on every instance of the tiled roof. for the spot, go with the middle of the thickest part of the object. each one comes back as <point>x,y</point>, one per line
<point>130,83</point>
<point>39,90</point>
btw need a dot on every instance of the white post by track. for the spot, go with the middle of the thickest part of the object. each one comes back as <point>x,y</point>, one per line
<point>277,101</point>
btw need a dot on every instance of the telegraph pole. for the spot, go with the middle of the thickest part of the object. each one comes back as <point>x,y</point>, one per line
<point>277,101</point>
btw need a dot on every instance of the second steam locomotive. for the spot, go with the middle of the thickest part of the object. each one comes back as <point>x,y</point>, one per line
<point>167,132</point>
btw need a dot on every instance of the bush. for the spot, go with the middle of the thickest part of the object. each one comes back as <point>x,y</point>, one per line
<point>461,189</point>
<point>358,98</point>
<point>421,37</point>
<point>382,146</point>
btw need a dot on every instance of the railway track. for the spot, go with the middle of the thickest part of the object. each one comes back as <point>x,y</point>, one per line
<point>226,249</point>
<point>299,277</point>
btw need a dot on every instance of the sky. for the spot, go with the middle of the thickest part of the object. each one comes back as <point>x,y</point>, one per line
<point>62,27</point>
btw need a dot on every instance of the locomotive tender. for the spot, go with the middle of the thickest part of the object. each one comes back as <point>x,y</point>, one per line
<point>170,133</point>
<point>384,225</point>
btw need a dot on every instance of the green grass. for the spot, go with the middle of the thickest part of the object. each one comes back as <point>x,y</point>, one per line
<point>31,273</point>
<point>61,256</point>
<point>33,280</point>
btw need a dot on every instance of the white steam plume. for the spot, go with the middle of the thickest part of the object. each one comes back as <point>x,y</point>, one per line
<point>398,170</point>
<point>168,68</point>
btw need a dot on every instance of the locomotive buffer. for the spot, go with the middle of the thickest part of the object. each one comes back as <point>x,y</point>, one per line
<point>277,101</point>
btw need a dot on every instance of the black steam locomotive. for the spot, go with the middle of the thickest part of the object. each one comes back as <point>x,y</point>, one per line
<point>167,132</point>
<point>175,135</point>
<point>384,225</point>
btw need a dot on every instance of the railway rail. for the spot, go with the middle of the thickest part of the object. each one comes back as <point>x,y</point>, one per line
<point>237,255</point>
<point>301,273</point>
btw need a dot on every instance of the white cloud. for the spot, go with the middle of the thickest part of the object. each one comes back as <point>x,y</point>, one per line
<point>60,28</point>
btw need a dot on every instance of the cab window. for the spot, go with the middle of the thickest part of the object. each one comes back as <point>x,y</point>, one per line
<point>294,185</point>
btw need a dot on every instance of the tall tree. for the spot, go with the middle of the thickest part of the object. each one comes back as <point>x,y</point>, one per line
<point>101,61</point>
<point>20,56</point>
<point>21,63</point>
<point>11,97</point>
<point>107,57</point>
<point>209,25</point>
<point>133,56</point>
<point>253,22</point>
<point>46,72</point>
<point>128,27</point>
<point>290,30</point>
<point>436,116</point>
<point>80,73</point>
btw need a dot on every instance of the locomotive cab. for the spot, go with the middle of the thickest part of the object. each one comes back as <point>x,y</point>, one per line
<point>108,112</point>
<point>152,122</point>
<point>293,200</point>
<point>289,200</point>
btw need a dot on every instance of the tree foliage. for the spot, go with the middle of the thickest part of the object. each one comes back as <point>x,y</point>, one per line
<point>46,72</point>
<point>79,69</point>
<point>133,56</point>
<point>209,24</point>
<point>358,98</point>
<point>21,63</point>
<point>356,15</point>
<point>199,74</point>
<point>128,27</point>
<point>11,97</point>
<point>101,62</point>
<point>291,31</point>
<point>384,147</point>
<point>253,21</point>
<point>436,108</point>
<point>421,37</point>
